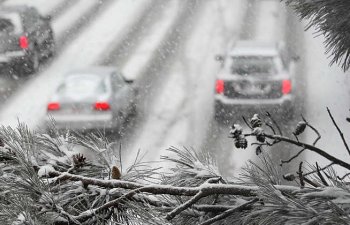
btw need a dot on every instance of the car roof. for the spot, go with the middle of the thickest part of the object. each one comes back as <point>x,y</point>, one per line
<point>15,8</point>
<point>254,48</point>
<point>98,70</point>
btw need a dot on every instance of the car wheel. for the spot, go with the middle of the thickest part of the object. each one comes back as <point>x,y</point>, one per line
<point>133,110</point>
<point>51,46</point>
<point>219,112</point>
<point>31,65</point>
<point>288,113</point>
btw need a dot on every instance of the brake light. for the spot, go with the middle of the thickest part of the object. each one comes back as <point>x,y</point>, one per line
<point>102,106</point>
<point>286,87</point>
<point>219,87</point>
<point>53,106</point>
<point>23,42</point>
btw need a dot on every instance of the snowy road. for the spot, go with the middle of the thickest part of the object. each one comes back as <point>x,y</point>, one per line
<point>168,47</point>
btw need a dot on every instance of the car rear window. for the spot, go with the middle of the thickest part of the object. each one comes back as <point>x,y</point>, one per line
<point>252,65</point>
<point>83,85</point>
<point>10,23</point>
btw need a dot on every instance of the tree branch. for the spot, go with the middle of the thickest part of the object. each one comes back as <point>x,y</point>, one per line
<point>339,131</point>
<point>228,212</point>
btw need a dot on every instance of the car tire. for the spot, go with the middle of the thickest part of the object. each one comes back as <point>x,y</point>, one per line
<point>219,112</point>
<point>31,65</point>
<point>52,49</point>
<point>288,113</point>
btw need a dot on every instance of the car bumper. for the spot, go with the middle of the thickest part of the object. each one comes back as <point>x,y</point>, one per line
<point>83,122</point>
<point>12,58</point>
<point>233,106</point>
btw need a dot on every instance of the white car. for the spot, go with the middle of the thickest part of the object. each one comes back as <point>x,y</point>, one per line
<point>97,98</point>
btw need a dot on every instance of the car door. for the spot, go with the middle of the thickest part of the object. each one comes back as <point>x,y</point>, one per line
<point>120,95</point>
<point>36,27</point>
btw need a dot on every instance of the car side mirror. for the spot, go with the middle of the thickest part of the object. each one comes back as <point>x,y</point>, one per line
<point>47,18</point>
<point>128,81</point>
<point>295,58</point>
<point>219,58</point>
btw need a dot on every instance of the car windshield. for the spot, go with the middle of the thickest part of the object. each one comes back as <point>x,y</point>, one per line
<point>10,23</point>
<point>82,85</point>
<point>252,65</point>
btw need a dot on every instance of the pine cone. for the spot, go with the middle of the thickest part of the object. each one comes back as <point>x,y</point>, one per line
<point>78,160</point>
<point>300,128</point>
<point>255,121</point>
<point>236,131</point>
<point>259,134</point>
<point>116,173</point>
<point>289,177</point>
<point>258,150</point>
<point>241,142</point>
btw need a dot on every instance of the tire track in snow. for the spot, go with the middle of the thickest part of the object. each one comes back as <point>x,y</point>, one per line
<point>153,77</point>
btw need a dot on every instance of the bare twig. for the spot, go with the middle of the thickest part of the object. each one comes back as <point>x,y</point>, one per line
<point>309,147</point>
<point>293,157</point>
<point>246,122</point>
<point>228,212</point>
<point>343,177</point>
<point>320,175</point>
<point>321,169</point>
<point>300,173</point>
<point>185,205</point>
<point>314,129</point>
<point>339,131</point>
<point>274,122</point>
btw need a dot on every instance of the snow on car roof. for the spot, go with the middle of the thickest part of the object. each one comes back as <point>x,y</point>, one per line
<point>252,48</point>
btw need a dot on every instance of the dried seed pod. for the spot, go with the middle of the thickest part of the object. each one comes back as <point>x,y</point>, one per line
<point>289,177</point>
<point>255,121</point>
<point>258,150</point>
<point>241,142</point>
<point>116,173</point>
<point>300,128</point>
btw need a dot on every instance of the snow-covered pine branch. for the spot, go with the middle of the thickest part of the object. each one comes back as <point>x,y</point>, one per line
<point>78,179</point>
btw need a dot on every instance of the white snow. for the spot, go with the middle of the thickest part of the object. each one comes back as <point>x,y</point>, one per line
<point>326,87</point>
<point>44,171</point>
<point>150,43</point>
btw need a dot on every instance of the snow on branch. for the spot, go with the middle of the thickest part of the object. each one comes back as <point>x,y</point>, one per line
<point>76,179</point>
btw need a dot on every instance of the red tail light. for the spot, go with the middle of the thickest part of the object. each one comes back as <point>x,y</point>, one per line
<point>220,86</point>
<point>286,87</point>
<point>53,106</point>
<point>23,42</point>
<point>102,106</point>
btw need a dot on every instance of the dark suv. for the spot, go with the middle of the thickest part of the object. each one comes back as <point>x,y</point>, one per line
<point>26,38</point>
<point>255,76</point>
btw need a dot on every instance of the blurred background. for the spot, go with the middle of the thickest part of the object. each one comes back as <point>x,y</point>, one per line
<point>165,52</point>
